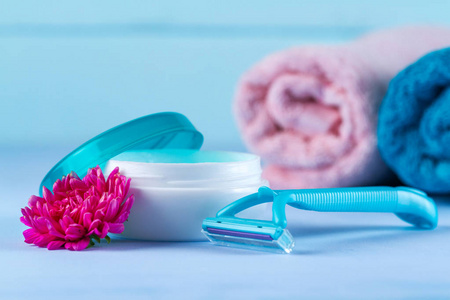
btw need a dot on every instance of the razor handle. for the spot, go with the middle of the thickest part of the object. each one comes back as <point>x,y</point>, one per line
<point>411,205</point>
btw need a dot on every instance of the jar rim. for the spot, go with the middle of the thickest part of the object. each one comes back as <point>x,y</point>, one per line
<point>220,170</point>
<point>184,156</point>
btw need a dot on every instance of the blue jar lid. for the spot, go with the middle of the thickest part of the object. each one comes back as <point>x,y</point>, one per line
<point>167,130</point>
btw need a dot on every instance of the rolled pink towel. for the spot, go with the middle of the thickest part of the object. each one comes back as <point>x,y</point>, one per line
<point>311,112</point>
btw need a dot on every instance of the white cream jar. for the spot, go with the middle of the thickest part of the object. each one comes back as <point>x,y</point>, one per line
<point>175,189</point>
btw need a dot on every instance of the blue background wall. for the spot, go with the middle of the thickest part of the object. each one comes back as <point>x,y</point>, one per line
<point>71,70</point>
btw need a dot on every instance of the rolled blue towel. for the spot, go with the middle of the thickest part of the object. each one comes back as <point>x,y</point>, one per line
<point>414,123</point>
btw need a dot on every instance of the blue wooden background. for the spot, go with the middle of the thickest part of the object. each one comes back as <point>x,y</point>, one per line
<point>69,70</point>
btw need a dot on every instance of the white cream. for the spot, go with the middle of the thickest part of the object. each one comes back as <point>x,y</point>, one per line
<point>176,189</point>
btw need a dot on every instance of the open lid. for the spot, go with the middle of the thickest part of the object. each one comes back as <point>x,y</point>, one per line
<point>157,131</point>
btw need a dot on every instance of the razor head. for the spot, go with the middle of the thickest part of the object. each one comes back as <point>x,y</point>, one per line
<point>248,234</point>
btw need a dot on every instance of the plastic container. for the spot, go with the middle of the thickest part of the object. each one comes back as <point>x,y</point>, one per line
<point>175,189</point>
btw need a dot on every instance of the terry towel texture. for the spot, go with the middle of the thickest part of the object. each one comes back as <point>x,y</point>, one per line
<point>414,123</point>
<point>311,112</point>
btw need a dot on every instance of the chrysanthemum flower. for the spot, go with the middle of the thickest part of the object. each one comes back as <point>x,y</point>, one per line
<point>78,211</point>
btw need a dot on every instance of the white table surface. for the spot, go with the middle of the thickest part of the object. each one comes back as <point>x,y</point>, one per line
<point>337,256</point>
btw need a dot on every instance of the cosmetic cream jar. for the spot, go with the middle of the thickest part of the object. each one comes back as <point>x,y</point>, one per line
<point>175,184</point>
<point>175,189</point>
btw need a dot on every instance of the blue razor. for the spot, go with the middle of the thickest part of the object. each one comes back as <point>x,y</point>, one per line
<point>410,205</point>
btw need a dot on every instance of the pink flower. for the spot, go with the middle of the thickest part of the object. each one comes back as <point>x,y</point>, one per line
<point>79,211</point>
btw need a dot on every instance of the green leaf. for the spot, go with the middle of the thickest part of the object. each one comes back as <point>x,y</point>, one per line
<point>108,239</point>
<point>91,243</point>
<point>95,237</point>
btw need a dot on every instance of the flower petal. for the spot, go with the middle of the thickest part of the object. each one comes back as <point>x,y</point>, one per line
<point>75,231</point>
<point>25,221</point>
<point>125,210</point>
<point>30,235</point>
<point>100,215</point>
<point>67,220</point>
<point>40,224</point>
<point>102,230</point>
<point>116,227</point>
<point>127,187</point>
<point>81,244</point>
<point>78,184</point>
<point>53,245</point>
<point>94,225</point>
<point>48,196</point>
<point>33,200</point>
<point>87,220</point>
<point>113,208</point>
<point>43,240</point>
<point>53,230</point>
<point>112,175</point>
